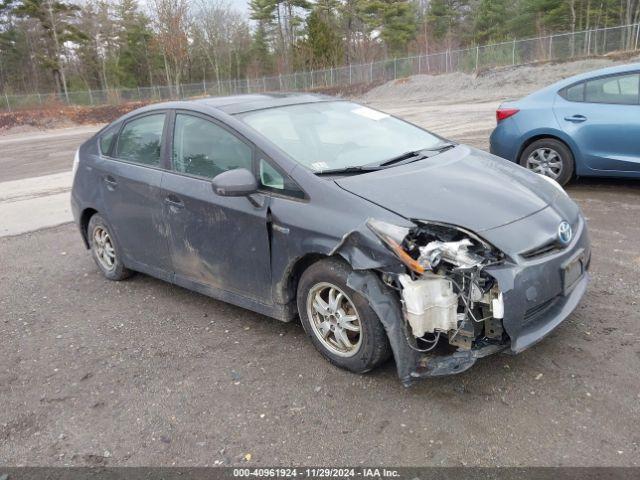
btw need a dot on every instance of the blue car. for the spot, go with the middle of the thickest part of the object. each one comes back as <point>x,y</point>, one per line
<point>586,125</point>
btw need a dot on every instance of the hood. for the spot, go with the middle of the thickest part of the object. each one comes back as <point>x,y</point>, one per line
<point>462,186</point>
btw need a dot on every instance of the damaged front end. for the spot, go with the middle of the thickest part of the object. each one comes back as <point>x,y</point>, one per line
<point>452,309</point>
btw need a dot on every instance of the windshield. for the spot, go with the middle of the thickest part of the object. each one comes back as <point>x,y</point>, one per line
<point>338,135</point>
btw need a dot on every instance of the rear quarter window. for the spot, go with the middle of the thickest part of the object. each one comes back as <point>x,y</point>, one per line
<point>106,140</point>
<point>574,93</point>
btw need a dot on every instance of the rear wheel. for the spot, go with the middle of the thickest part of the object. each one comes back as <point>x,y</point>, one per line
<point>341,324</point>
<point>549,157</point>
<point>105,250</point>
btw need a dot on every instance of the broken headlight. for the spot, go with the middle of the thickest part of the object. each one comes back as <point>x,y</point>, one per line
<point>394,237</point>
<point>431,246</point>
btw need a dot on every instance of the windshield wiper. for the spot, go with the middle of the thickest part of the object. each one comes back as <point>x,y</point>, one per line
<point>406,157</point>
<point>353,169</point>
<point>442,148</point>
<point>415,155</point>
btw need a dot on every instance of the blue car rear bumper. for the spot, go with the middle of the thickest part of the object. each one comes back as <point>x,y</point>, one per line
<point>505,140</point>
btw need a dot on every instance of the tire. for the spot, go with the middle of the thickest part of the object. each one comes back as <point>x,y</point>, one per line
<point>549,148</point>
<point>370,345</point>
<point>99,231</point>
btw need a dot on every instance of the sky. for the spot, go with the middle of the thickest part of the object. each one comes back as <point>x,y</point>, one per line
<point>240,5</point>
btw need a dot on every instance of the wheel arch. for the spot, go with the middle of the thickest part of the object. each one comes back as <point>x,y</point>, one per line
<point>286,290</point>
<point>85,218</point>
<point>552,134</point>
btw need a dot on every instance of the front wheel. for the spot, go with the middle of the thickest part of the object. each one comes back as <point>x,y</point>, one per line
<point>341,324</point>
<point>549,157</point>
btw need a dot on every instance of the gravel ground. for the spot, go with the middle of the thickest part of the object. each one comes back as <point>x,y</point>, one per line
<point>143,373</point>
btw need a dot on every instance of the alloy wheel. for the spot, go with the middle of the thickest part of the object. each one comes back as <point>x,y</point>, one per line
<point>334,319</point>
<point>545,161</point>
<point>105,252</point>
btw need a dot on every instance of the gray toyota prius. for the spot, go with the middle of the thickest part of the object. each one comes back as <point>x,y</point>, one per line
<point>384,238</point>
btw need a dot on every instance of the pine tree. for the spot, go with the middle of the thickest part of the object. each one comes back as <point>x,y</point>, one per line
<point>396,20</point>
<point>323,43</point>
<point>57,21</point>
<point>491,21</point>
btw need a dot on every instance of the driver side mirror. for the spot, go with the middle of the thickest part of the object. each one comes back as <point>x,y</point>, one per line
<point>238,182</point>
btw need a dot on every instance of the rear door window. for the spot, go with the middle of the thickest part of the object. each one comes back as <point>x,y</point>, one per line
<point>140,140</point>
<point>617,89</point>
<point>204,149</point>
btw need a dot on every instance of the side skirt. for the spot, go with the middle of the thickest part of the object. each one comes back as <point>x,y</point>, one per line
<point>282,312</point>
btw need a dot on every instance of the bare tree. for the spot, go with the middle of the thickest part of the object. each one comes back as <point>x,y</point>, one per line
<point>172,22</point>
<point>222,36</point>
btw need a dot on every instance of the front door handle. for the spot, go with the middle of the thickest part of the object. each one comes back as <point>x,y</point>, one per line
<point>174,202</point>
<point>576,118</point>
<point>110,182</point>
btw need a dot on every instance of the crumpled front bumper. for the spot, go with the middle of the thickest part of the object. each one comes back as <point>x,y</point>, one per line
<point>536,300</point>
<point>537,296</point>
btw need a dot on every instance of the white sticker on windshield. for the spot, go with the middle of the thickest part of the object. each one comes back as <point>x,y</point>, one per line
<point>369,113</point>
<point>319,166</point>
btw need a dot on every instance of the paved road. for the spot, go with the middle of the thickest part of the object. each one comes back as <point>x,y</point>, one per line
<point>35,154</point>
<point>140,372</point>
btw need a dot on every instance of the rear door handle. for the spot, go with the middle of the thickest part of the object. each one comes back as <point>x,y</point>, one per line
<point>174,202</point>
<point>576,118</point>
<point>110,182</point>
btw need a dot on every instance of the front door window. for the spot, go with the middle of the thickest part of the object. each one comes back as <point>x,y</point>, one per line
<point>204,149</point>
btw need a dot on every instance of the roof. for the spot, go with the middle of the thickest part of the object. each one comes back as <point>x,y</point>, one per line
<point>630,67</point>
<point>246,103</point>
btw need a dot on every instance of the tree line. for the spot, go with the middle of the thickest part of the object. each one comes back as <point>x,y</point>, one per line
<point>66,45</point>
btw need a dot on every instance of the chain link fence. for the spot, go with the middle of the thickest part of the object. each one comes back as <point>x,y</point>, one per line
<point>558,47</point>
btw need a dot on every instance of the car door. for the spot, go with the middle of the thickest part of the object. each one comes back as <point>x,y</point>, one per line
<point>602,115</point>
<point>131,181</point>
<point>220,242</point>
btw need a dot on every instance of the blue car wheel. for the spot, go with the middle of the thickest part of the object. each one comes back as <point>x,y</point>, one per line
<point>549,157</point>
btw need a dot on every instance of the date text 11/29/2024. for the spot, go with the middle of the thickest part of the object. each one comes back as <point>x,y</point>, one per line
<point>323,472</point>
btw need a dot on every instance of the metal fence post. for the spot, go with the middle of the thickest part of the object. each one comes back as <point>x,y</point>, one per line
<point>350,79</point>
<point>477,56</point>
<point>395,68</point>
<point>550,47</point>
<point>513,53</point>
<point>6,97</point>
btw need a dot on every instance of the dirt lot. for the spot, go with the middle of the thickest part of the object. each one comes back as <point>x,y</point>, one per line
<point>143,373</point>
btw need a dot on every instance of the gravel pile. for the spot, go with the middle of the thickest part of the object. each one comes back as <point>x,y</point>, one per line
<point>494,84</point>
